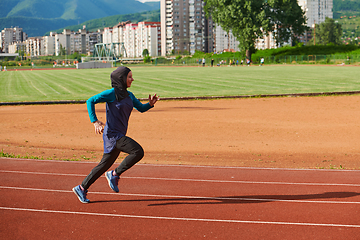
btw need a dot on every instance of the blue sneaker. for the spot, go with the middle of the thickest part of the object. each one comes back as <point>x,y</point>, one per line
<point>81,194</point>
<point>112,180</point>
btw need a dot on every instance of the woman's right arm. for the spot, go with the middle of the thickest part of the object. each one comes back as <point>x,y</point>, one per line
<point>105,96</point>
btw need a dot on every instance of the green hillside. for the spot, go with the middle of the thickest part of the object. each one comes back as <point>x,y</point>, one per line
<point>346,8</point>
<point>34,26</point>
<point>54,14</point>
<point>95,24</point>
<point>347,13</point>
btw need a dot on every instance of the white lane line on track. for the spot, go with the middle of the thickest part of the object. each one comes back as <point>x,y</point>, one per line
<point>184,219</point>
<point>191,166</point>
<point>179,197</point>
<point>194,180</point>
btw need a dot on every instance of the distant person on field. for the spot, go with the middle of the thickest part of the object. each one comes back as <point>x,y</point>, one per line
<point>119,105</point>
<point>261,61</point>
<point>203,62</point>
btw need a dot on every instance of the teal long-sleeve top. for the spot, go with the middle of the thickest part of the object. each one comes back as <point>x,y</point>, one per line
<point>117,115</point>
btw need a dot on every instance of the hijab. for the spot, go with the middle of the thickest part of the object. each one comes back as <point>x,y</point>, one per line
<point>119,82</point>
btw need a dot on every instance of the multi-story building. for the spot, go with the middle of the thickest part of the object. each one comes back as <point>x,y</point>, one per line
<point>17,47</point>
<point>34,46</point>
<point>68,41</point>
<point>108,35</point>
<point>225,41</point>
<point>148,37</point>
<point>81,42</point>
<point>132,39</point>
<point>130,35</point>
<point>316,10</point>
<point>9,36</point>
<point>60,43</point>
<point>49,44</point>
<point>267,41</point>
<point>184,28</point>
<point>92,39</point>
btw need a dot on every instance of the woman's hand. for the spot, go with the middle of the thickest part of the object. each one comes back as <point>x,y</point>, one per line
<point>153,99</point>
<point>99,127</point>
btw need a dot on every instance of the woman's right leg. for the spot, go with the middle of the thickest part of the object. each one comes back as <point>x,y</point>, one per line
<point>106,162</point>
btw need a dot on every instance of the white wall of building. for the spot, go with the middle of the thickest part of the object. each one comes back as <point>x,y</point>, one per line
<point>60,40</point>
<point>225,41</point>
<point>49,45</point>
<point>316,10</point>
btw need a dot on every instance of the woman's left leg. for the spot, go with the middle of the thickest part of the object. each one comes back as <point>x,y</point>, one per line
<point>106,162</point>
<point>135,151</point>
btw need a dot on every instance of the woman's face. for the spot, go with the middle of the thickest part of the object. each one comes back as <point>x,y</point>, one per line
<point>129,79</point>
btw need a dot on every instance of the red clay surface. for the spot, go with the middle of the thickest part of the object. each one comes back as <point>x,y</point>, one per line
<point>303,132</point>
<point>188,202</point>
<point>178,202</point>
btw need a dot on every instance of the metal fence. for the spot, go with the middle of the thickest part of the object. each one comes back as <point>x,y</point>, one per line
<point>297,59</point>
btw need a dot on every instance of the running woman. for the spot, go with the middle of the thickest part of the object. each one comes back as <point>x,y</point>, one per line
<point>119,104</point>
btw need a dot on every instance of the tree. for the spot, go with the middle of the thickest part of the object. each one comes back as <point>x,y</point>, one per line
<point>251,19</point>
<point>288,18</point>
<point>145,53</point>
<point>328,32</point>
<point>246,18</point>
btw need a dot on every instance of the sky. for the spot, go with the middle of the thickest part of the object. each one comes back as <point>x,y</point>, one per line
<point>149,0</point>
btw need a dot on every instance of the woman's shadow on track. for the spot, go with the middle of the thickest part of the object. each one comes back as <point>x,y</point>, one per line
<point>241,199</point>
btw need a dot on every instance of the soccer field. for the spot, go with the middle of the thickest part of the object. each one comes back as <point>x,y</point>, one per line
<point>52,85</point>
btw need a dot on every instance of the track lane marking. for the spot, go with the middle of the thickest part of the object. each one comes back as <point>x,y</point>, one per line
<point>193,180</point>
<point>184,219</point>
<point>190,166</point>
<point>176,197</point>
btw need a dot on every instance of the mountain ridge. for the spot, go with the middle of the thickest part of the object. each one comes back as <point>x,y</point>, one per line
<point>36,17</point>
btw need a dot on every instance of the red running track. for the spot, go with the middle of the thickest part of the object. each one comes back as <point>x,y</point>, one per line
<point>178,202</point>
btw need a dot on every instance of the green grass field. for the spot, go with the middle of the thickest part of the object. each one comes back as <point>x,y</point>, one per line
<point>49,85</point>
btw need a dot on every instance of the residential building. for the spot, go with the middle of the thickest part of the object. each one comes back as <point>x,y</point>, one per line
<point>316,10</point>
<point>60,43</point>
<point>9,36</point>
<point>17,47</point>
<point>49,44</point>
<point>225,41</point>
<point>184,28</point>
<point>108,35</point>
<point>131,39</point>
<point>148,37</point>
<point>266,42</point>
<point>81,42</point>
<point>34,46</point>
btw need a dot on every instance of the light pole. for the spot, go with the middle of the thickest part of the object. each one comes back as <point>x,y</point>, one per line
<point>314,25</point>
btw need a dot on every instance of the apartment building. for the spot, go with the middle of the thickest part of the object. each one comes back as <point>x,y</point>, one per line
<point>17,47</point>
<point>148,37</point>
<point>225,41</point>
<point>49,44</point>
<point>267,41</point>
<point>135,38</point>
<point>184,28</point>
<point>9,36</point>
<point>130,35</point>
<point>68,41</point>
<point>34,46</point>
<point>316,10</point>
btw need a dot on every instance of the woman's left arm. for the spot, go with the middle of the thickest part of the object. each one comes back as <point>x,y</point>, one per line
<point>143,107</point>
